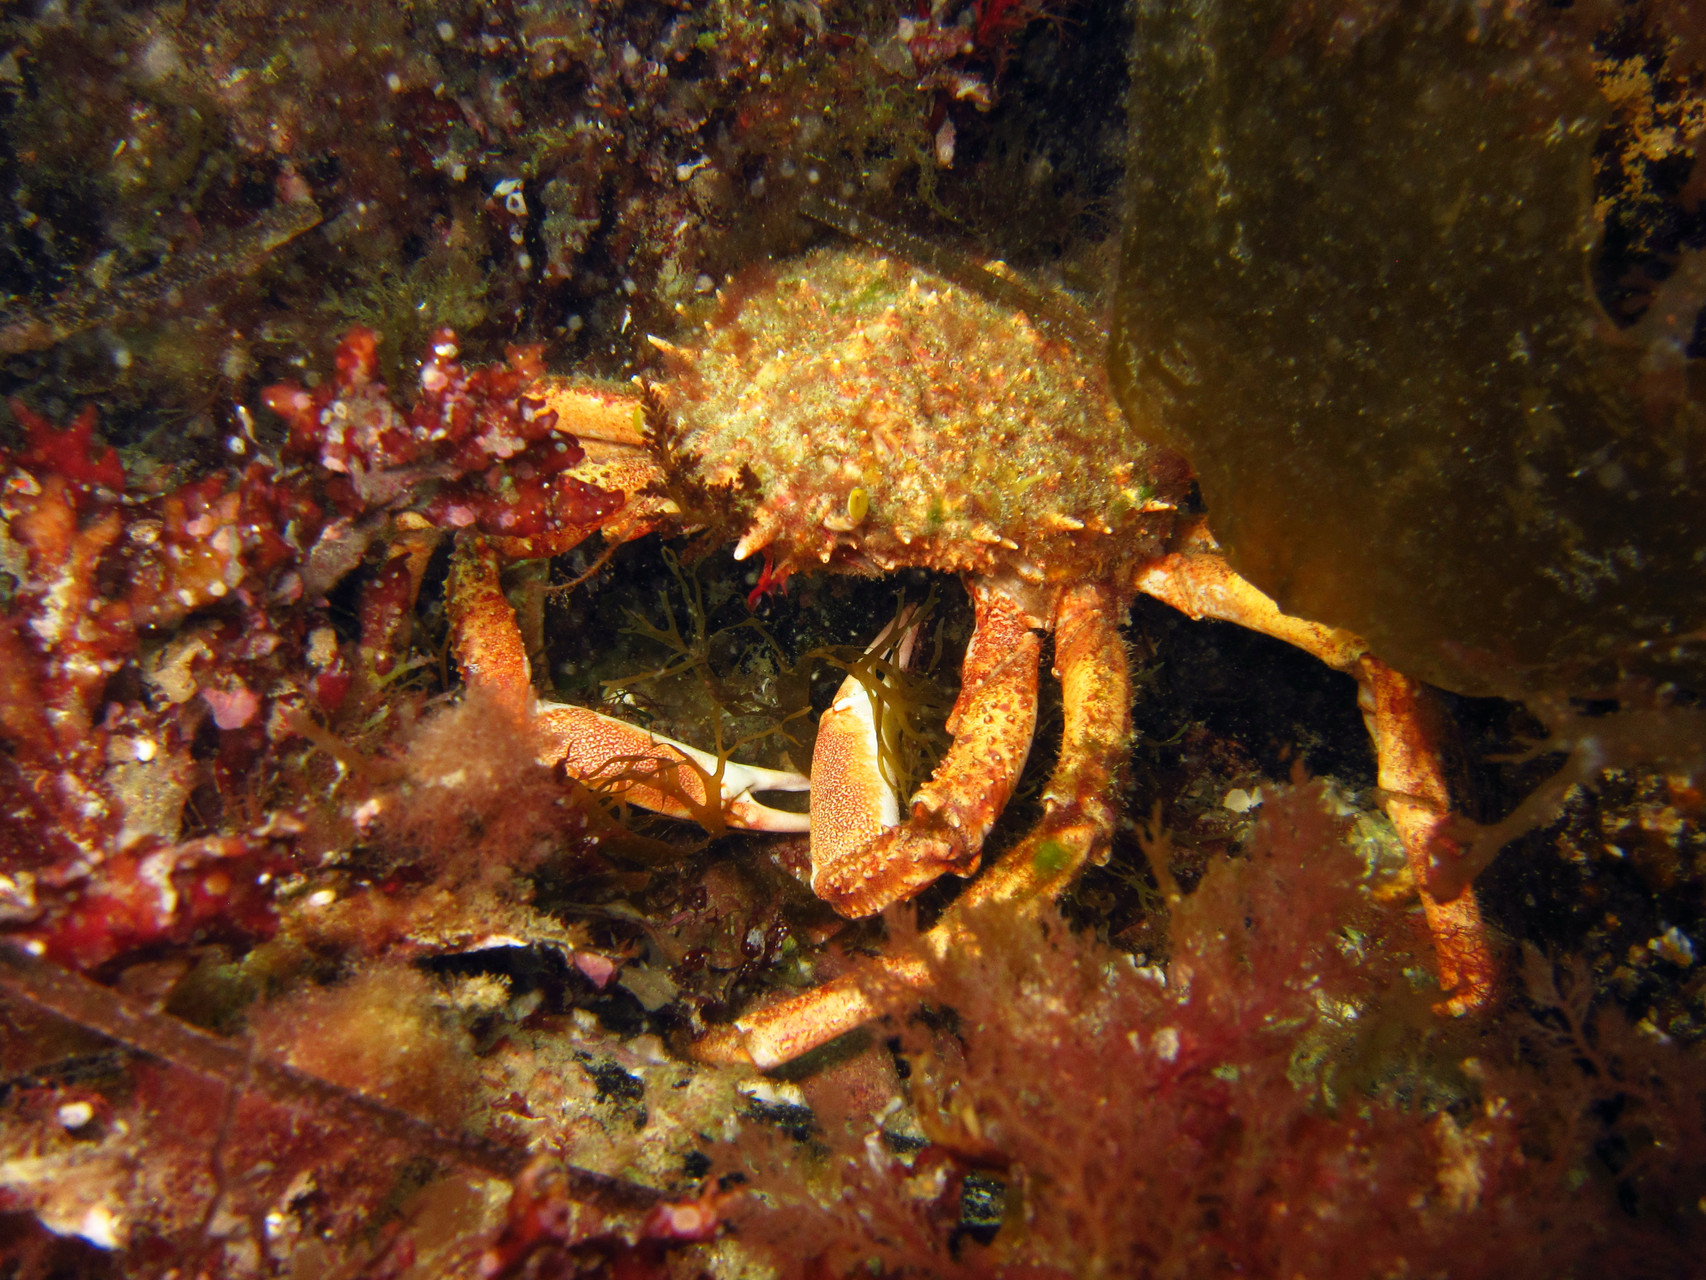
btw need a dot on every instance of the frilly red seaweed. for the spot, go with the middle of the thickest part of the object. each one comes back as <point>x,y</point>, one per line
<point>497,450</point>
<point>71,451</point>
<point>158,647</point>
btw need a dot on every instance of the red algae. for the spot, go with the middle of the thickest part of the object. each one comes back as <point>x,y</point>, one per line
<point>471,801</point>
<point>141,625</point>
<point>1272,1105</point>
<point>378,1032</point>
<point>213,797</point>
<point>69,452</point>
<point>476,428</point>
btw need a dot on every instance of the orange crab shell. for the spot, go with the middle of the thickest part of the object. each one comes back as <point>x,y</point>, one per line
<point>887,419</point>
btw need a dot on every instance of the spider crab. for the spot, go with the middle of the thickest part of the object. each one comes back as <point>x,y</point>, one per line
<point>850,411</point>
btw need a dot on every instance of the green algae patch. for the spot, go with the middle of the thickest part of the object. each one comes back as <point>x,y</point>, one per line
<point>1051,857</point>
<point>1359,292</point>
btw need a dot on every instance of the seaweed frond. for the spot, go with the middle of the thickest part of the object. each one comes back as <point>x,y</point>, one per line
<point>908,705</point>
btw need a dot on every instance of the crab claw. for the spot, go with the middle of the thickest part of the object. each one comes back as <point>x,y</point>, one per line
<point>632,765</point>
<point>661,774</point>
<point>992,723</point>
<point>855,796</point>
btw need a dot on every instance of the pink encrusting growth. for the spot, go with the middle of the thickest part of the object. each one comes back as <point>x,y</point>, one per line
<point>498,450</point>
<point>95,785</point>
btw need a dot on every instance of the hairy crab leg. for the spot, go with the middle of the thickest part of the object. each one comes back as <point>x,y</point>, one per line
<point>641,768</point>
<point>992,722</point>
<point>1403,720</point>
<point>1197,581</point>
<point>1076,826</point>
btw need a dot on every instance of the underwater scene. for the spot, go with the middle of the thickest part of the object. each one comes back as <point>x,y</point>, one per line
<point>853,638</point>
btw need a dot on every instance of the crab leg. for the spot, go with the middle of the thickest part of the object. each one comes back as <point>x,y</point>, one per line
<point>483,631</point>
<point>641,768</point>
<point>1402,719</point>
<point>1076,826</point>
<point>661,774</point>
<point>1078,805</point>
<point>992,723</point>
<point>1197,581</point>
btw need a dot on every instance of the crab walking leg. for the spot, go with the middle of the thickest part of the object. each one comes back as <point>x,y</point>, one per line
<point>993,721</point>
<point>1403,721</point>
<point>1078,806</point>
<point>1076,826</point>
<point>1197,581</point>
<point>491,654</point>
<point>483,632</point>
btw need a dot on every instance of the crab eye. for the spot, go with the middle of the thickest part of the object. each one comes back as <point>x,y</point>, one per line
<point>858,503</point>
